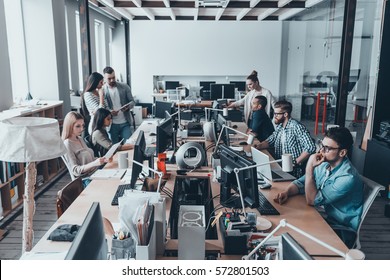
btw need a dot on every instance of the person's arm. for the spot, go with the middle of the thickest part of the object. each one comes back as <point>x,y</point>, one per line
<point>102,139</point>
<point>310,183</point>
<point>238,103</point>
<point>291,190</point>
<point>306,141</point>
<point>126,147</point>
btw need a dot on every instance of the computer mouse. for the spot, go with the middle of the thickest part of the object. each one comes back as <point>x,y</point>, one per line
<point>265,186</point>
<point>152,134</point>
<point>234,126</point>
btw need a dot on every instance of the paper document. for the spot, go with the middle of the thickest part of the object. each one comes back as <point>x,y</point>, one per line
<point>104,174</point>
<point>127,104</point>
<point>112,150</point>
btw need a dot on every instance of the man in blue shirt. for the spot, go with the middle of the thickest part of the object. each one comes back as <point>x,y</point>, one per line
<point>333,183</point>
<point>259,123</point>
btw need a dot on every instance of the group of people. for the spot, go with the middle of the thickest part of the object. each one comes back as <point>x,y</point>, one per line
<point>108,107</point>
<point>326,177</point>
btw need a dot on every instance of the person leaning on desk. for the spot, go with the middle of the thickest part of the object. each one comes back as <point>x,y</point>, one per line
<point>100,138</point>
<point>80,158</point>
<point>332,182</point>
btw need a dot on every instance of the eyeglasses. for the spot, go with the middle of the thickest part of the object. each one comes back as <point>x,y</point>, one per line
<point>327,149</point>
<point>281,113</point>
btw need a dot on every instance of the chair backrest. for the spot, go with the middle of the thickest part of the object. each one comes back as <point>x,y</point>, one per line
<point>371,190</point>
<point>68,166</point>
<point>68,194</point>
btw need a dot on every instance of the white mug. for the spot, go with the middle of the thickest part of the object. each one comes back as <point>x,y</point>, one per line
<point>287,164</point>
<point>122,160</point>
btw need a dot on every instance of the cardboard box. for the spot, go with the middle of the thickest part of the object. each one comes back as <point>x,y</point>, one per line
<point>144,113</point>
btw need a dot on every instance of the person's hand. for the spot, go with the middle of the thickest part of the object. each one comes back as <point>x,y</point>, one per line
<point>315,160</point>
<point>100,161</point>
<point>281,197</point>
<point>114,113</point>
<point>126,108</point>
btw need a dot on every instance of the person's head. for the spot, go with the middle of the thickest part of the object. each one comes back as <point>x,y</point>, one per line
<point>102,119</point>
<point>252,81</point>
<point>95,81</point>
<point>336,144</point>
<point>109,76</point>
<point>73,125</point>
<point>282,111</point>
<point>259,103</point>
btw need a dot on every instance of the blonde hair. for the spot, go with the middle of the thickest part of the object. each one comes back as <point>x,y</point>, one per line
<point>69,122</point>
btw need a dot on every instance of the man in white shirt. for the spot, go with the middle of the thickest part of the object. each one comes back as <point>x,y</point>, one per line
<point>120,101</point>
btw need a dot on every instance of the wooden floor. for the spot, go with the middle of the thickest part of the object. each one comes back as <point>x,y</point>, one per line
<point>375,233</point>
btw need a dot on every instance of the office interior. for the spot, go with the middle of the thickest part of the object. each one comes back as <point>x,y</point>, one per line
<point>325,57</point>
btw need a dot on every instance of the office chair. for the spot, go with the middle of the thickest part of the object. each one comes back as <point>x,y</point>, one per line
<point>68,194</point>
<point>64,159</point>
<point>371,190</point>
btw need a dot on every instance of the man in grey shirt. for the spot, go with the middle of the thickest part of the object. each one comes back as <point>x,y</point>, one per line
<point>118,95</point>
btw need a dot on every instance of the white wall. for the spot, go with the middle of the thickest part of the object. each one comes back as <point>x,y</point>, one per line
<point>202,49</point>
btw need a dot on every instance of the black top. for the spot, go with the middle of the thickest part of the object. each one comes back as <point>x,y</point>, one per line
<point>261,124</point>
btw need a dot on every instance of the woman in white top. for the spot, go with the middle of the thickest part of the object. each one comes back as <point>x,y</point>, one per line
<point>81,159</point>
<point>93,96</point>
<point>255,89</point>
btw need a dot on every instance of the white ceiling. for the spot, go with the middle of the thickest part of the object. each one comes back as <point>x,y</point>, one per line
<point>236,10</point>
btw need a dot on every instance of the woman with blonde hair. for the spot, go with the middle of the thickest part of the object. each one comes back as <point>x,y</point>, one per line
<point>81,159</point>
<point>255,89</point>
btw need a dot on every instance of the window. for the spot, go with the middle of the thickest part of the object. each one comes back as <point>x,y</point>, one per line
<point>99,45</point>
<point>79,56</point>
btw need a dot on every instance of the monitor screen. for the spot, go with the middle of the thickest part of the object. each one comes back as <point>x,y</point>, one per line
<point>225,136</point>
<point>291,249</point>
<point>139,151</point>
<point>171,85</point>
<point>241,86</point>
<point>164,138</point>
<point>161,107</point>
<point>221,91</point>
<point>248,179</point>
<point>90,241</point>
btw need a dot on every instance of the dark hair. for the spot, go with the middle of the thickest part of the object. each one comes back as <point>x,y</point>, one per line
<point>342,136</point>
<point>253,76</point>
<point>98,119</point>
<point>108,70</point>
<point>284,105</point>
<point>262,101</point>
<point>93,81</point>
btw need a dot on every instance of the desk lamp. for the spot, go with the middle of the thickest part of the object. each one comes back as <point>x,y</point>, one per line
<point>224,111</point>
<point>287,166</point>
<point>160,174</point>
<point>249,140</point>
<point>352,254</point>
<point>30,140</point>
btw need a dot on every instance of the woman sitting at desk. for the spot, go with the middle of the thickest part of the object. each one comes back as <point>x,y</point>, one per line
<point>81,159</point>
<point>100,138</point>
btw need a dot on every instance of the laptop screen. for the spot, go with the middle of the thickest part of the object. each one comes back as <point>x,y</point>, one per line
<point>260,157</point>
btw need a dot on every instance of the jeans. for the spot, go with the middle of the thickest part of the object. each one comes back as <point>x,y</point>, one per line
<point>120,131</point>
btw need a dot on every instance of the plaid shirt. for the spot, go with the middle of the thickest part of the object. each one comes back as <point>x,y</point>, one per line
<point>297,137</point>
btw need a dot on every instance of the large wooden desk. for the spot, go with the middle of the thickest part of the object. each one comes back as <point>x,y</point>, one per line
<point>296,211</point>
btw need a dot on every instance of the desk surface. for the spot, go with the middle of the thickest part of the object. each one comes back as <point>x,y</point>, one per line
<point>295,211</point>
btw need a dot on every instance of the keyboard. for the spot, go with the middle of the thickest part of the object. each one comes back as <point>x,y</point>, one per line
<point>120,192</point>
<point>265,207</point>
<point>150,151</point>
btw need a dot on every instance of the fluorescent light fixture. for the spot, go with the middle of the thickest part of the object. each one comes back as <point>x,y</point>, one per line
<point>213,3</point>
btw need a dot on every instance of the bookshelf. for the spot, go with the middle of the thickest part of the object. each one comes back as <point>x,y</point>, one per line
<point>12,174</point>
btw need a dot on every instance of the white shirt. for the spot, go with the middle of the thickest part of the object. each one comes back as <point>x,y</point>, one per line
<point>116,104</point>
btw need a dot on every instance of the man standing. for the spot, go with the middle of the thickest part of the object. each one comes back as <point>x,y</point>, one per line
<point>117,96</point>
<point>333,183</point>
<point>290,137</point>
<point>260,124</point>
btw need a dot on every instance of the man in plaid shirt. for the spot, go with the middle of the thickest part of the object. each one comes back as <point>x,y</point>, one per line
<point>289,137</point>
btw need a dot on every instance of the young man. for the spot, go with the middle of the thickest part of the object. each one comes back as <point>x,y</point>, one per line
<point>289,137</point>
<point>260,124</point>
<point>118,95</point>
<point>333,183</point>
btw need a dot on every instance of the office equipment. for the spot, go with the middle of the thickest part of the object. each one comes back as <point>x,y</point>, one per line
<point>159,174</point>
<point>171,85</point>
<point>226,136</point>
<point>271,173</point>
<point>290,249</point>
<point>112,150</point>
<point>221,91</point>
<point>190,155</point>
<point>239,85</point>
<point>120,191</point>
<point>140,155</point>
<point>161,107</point>
<point>29,140</point>
<point>90,242</point>
<point>351,254</point>
<point>205,91</point>
<point>164,139</point>
<point>224,112</point>
<point>194,129</point>
<point>265,207</point>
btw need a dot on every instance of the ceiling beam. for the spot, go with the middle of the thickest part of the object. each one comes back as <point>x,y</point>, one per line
<point>266,13</point>
<point>282,3</point>
<point>290,13</point>
<point>243,13</point>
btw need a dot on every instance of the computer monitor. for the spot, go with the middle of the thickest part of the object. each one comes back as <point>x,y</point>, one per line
<point>230,160</point>
<point>171,85</point>
<point>291,249</point>
<point>161,107</point>
<point>139,156</point>
<point>225,133</point>
<point>205,91</point>
<point>90,241</point>
<point>221,91</point>
<point>240,85</point>
<point>164,138</point>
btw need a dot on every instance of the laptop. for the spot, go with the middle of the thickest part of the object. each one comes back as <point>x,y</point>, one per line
<point>274,173</point>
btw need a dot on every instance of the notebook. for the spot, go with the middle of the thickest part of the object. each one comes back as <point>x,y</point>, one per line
<point>274,173</point>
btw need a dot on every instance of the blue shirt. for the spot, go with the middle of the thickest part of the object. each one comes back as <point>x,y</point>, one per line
<point>261,124</point>
<point>340,191</point>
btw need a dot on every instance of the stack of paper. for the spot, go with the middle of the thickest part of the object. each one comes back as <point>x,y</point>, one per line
<point>105,174</point>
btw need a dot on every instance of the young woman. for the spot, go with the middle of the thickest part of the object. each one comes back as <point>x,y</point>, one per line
<point>81,159</point>
<point>255,89</point>
<point>100,138</point>
<point>93,96</point>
